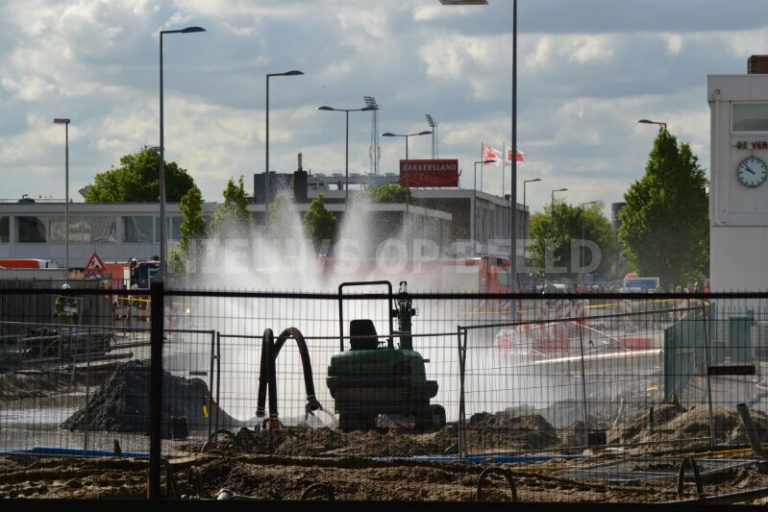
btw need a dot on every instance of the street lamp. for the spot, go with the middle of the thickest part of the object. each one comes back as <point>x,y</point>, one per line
<point>581,248</point>
<point>525,224</point>
<point>266,163</point>
<point>346,158</point>
<point>433,124</point>
<point>474,205</point>
<point>406,136</point>
<point>65,122</point>
<point>648,121</point>
<point>553,198</point>
<point>163,258</point>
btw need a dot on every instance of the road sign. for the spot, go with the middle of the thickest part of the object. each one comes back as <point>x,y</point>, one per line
<point>95,265</point>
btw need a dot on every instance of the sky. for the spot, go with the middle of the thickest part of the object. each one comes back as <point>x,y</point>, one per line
<point>587,71</point>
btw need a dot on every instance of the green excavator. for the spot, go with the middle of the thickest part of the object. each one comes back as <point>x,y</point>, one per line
<point>370,379</point>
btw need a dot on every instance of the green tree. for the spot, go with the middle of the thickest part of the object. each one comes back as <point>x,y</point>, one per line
<point>232,218</point>
<point>192,230</point>
<point>557,234</point>
<point>137,180</point>
<point>390,193</point>
<point>665,222</point>
<point>319,223</point>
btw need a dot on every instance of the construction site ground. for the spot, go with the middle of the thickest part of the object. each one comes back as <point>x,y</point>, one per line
<point>639,462</point>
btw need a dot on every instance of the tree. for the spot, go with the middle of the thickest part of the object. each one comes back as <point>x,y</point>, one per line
<point>232,218</point>
<point>665,222</point>
<point>390,193</point>
<point>192,230</point>
<point>319,223</point>
<point>137,180</point>
<point>556,235</point>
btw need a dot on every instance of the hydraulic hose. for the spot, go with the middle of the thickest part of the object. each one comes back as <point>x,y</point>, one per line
<point>270,348</point>
<point>306,364</point>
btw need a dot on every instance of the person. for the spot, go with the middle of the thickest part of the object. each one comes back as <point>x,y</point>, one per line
<point>66,308</point>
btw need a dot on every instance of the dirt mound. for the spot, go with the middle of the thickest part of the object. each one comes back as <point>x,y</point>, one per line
<point>486,430</point>
<point>671,421</point>
<point>122,403</point>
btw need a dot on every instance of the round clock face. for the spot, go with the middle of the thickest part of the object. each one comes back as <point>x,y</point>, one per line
<point>751,172</point>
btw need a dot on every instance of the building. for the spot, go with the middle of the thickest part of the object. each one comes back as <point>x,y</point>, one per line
<point>738,196</point>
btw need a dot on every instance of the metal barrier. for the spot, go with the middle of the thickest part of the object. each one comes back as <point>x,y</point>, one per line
<point>559,375</point>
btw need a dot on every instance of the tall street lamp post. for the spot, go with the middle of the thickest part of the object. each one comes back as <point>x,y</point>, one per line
<point>163,220</point>
<point>65,122</point>
<point>552,201</point>
<point>474,206</point>
<point>406,136</point>
<point>662,125</point>
<point>581,248</point>
<point>525,224</point>
<point>266,150</point>
<point>346,146</point>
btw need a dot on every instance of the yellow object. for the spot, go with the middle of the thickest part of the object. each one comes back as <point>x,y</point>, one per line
<point>205,410</point>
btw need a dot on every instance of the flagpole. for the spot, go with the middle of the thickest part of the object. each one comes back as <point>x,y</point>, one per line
<point>503,166</point>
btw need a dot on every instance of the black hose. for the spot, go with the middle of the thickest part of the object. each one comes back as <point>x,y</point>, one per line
<point>266,343</point>
<point>306,363</point>
<point>270,348</point>
<point>319,491</point>
<point>496,470</point>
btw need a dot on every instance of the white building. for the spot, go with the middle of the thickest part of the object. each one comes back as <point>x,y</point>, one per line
<point>739,182</point>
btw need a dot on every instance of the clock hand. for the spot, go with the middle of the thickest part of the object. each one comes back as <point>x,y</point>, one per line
<point>749,170</point>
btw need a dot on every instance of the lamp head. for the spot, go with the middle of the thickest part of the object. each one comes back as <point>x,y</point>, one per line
<point>425,132</point>
<point>61,120</point>
<point>388,134</point>
<point>533,180</point>
<point>189,30</point>
<point>293,73</point>
<point>326,107</point>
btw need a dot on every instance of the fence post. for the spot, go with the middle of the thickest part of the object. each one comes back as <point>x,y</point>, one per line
<point>156,388</point>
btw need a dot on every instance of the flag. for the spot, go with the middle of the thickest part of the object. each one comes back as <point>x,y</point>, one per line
<point>489,153</point>
<point>520,156</point>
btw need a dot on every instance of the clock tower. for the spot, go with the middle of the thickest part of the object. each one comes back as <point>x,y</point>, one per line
<point>738,190</point>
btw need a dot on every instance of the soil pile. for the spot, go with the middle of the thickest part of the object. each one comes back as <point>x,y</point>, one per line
<point>503,429</point>
<point>671,421</point>
<point>122,404</point>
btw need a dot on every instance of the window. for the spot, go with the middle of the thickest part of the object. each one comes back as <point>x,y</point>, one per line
<point>138,229</point>
<point>5,230</point>
<point>90,229</point>
<point>31,230</point>
<point>750,117</point>
<point>175,227</point>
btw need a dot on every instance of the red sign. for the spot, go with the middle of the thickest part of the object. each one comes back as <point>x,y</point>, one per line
<point>442,172</point>
<point>95,265</point>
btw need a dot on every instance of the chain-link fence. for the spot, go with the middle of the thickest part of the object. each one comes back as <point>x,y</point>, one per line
<point>558,377</point>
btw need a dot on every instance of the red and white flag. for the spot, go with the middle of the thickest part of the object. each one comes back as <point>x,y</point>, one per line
<point>520,156</point>
<point>489,153</point>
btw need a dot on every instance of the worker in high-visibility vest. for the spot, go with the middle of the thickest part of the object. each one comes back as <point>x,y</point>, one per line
<point>66,308</point>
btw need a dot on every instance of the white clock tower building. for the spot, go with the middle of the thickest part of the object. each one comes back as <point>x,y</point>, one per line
<point>738,189</point>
